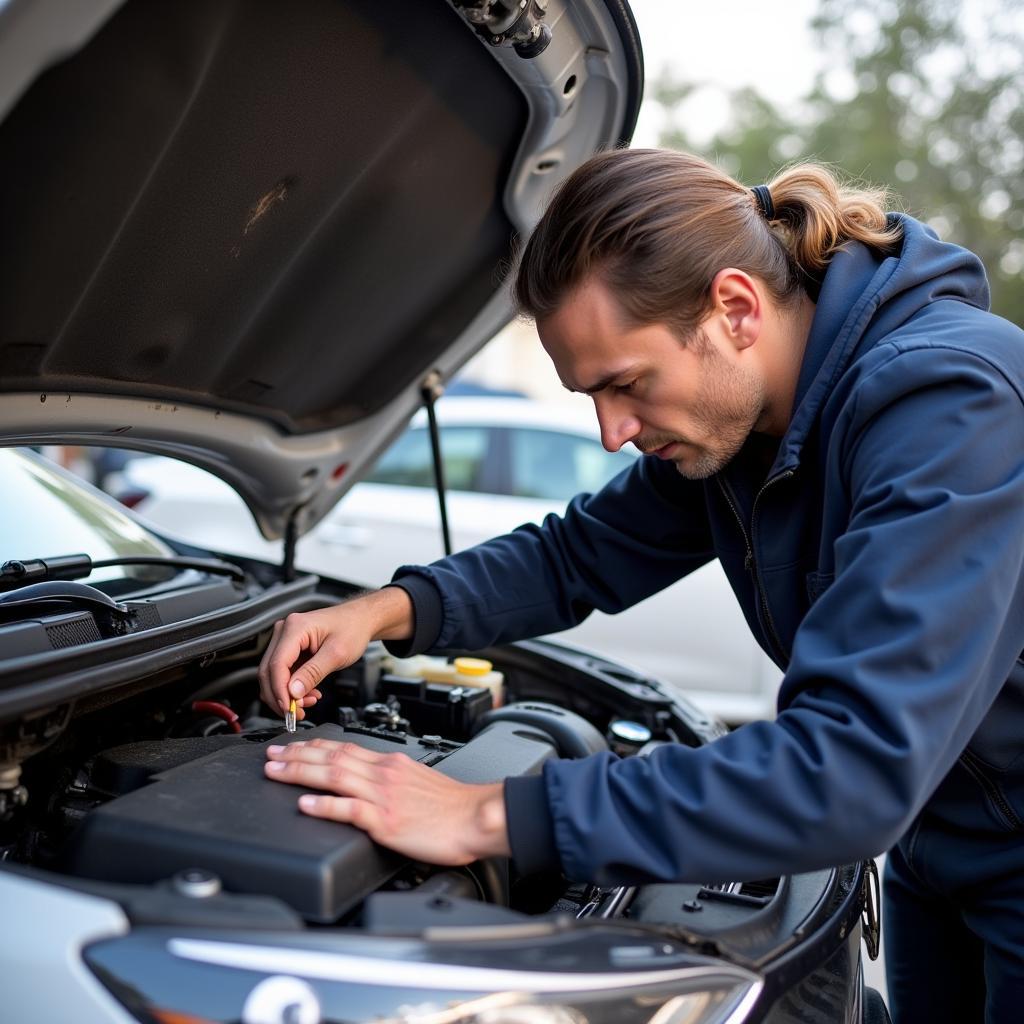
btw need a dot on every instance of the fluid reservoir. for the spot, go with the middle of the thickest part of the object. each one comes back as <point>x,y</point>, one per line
<point>408,668</point>
<point>438,670</point>
<point>479,672</point>
<point>422,666</point>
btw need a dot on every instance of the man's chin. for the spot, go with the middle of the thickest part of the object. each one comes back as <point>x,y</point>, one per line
<point>701,465</point>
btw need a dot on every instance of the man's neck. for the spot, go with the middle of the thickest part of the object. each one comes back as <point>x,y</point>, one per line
<point>783,366</point>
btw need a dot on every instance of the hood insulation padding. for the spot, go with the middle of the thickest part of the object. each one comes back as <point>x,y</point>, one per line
<point>285,210</point>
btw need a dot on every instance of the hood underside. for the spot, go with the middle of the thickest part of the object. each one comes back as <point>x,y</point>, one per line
<point>242,232</point>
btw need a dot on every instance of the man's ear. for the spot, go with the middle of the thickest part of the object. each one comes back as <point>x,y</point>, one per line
<point>736,298</point>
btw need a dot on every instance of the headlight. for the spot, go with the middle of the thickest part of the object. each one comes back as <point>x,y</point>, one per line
<point>580,976</point>
<point>720,1002</point>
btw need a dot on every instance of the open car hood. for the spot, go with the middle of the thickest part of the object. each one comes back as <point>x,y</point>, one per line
<point>243,233</point>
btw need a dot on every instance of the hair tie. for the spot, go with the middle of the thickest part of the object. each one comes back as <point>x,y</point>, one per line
<point>763,198</point>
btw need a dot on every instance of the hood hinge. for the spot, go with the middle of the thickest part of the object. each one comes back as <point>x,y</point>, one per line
<point>516,23</point>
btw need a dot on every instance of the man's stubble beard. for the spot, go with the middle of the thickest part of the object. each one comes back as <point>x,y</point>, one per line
<point>729,404</point>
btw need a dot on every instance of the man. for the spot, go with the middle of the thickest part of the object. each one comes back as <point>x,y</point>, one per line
<point>830,410</point>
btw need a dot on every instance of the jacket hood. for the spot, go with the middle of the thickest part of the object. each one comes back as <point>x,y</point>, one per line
<point>864,297</point>
<point>243,233</point>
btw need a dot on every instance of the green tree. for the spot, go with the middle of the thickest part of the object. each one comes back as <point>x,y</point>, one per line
<point>915,97</point>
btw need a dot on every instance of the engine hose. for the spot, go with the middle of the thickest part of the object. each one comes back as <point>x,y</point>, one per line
<point>213,707</point>
<point>492,876</point>
<point>451,885</point>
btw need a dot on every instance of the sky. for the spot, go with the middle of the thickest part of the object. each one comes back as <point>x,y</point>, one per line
<point>728,45</point>
<point>742,42</point>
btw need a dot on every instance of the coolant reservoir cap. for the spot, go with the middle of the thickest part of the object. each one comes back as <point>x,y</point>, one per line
<point>472,666</point>
<point>629,732</point>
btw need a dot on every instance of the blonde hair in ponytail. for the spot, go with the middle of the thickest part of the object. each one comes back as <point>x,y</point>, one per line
<point>816,213</point>
<point>655,226</point>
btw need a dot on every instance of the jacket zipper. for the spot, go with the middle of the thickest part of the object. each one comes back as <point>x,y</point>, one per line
<point>971,762</point>
<point>749,562</point>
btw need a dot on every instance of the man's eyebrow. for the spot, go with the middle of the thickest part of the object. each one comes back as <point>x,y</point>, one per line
<point>598,385</point>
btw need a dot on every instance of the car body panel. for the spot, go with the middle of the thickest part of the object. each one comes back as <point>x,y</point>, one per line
<point>44,976</point>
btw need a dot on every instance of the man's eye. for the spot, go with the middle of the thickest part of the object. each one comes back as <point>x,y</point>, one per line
<point>627,387</point>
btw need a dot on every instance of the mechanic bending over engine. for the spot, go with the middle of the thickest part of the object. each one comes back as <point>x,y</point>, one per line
<point>829,409</point>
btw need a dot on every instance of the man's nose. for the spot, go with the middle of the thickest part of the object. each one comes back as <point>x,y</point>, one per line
<point>617,425</point>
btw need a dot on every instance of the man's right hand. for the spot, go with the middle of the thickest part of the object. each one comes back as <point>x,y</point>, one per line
<point>306,647</point>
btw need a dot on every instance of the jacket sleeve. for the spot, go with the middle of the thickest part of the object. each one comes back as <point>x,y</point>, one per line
<point>893,668</point>
<point>641,532</point>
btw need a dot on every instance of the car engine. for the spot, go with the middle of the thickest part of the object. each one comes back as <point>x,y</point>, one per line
<point>148,797</point>
<point>185,802</point>
<point>220,814</point>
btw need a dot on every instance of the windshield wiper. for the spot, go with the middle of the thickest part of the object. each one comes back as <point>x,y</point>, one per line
<point>114,617</point>
<point>20,572</point>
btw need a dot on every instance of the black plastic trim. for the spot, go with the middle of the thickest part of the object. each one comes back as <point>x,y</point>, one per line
<point>834,919</point>
<point>46,679</point>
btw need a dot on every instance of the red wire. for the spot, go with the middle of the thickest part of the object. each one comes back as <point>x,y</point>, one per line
<point>214,707</point>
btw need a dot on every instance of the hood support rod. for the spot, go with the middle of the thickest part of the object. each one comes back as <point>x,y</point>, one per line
<point>431,390</point>
<point>291,536</point>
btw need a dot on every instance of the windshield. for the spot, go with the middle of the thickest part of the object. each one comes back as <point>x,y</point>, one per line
<point>46,512</point>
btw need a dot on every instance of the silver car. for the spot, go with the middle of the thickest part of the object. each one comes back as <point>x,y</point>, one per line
<point>254,236</point>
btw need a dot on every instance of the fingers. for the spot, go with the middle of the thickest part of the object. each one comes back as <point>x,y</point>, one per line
<point>306,702</point>
<point>321,776</point>
<point>334,767</point>
<point>296,661</point>
<point>266,688</point>
<point>306,647</point>
<point>288,645</point>
<point>396,800</point>
<point>311,673</point>
<point>321,751</point>
<point>273,695</point>
<point>344,809</point>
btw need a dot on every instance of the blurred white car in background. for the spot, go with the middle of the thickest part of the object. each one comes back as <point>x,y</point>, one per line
<point>507,461</point>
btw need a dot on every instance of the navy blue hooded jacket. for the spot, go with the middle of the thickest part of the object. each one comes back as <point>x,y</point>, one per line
<point>880,563</point>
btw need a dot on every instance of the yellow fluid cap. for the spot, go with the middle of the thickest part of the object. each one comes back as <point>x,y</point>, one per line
<point>472,666</point>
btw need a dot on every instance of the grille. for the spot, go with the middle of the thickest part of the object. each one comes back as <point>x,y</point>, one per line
<point>754,893</point>
<point>70,634</point>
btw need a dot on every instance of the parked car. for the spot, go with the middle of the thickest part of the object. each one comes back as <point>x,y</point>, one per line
<point>507,462</point>
<point>246,233</point>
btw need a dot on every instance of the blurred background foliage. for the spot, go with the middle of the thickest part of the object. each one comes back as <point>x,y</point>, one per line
<point>923,96</point>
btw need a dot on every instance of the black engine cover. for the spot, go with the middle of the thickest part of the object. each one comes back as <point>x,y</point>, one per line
<point>221,813</point>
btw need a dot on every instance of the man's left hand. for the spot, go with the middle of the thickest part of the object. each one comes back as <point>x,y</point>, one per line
<point>399,802</point>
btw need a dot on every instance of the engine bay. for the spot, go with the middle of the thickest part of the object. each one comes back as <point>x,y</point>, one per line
<point>152,793</point>
<point>219,814</point>
<point>160,786</point>
<point>147,791</point>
